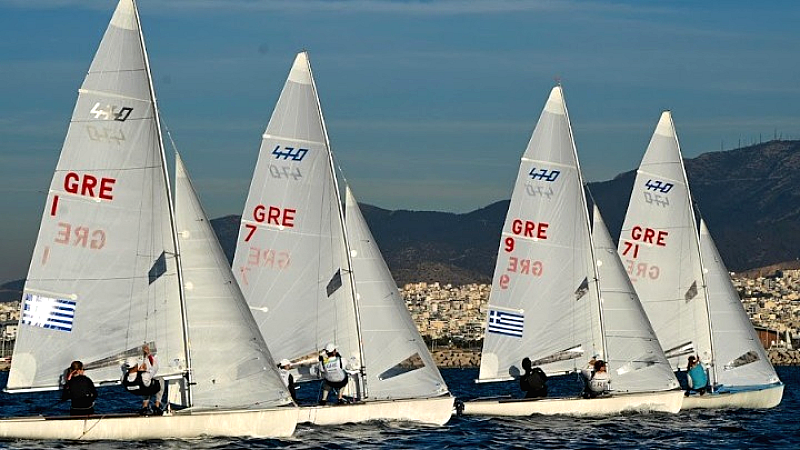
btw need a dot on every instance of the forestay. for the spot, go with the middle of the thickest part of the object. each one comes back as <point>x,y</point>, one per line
<point>400,365</point>
<point>233,368</point>
<point>740,359</point>
<point>291,260</point>
<point>635,358</point>
<point>103,276</point>
<point>659,248</point>
<point>543,303</point>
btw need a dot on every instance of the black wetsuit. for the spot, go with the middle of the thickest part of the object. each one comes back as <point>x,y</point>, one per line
<point>81,391</point>
<point>534,383</point>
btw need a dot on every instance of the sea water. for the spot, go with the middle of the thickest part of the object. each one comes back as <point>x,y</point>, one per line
<point>777,428</point>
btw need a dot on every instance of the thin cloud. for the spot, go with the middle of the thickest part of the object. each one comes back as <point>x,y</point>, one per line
<point>433,7</point>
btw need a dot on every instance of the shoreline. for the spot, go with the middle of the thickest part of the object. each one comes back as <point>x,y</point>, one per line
<point>457,358</point>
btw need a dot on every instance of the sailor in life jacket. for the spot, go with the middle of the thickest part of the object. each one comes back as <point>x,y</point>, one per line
<point>331,368</point>
<point>139,381</point>
<point>288,379</point>
<point>596,378</point>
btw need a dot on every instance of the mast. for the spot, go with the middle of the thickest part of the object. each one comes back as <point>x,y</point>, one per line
<point>696,236</point>
<point>362,370</point>
<point>587,222</point>
<point>171,208</point>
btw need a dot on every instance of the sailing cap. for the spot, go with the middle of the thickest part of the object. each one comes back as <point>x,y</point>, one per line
<point>285,362</point>
<point>330,347</point>
<point>131,362</point>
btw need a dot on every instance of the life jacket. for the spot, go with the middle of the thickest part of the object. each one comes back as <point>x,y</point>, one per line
<point>137,386</point>
<point>333,369</point>
<point>697,377</point>
<point>599,382</point>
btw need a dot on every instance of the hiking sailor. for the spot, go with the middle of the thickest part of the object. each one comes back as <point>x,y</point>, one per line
<point>333,374</point>
<point>597,381</point>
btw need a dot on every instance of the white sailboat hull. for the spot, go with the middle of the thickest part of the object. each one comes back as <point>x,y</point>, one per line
<point>666,401</point>
<point>433,411</point>
<point>267,423</point>
<point>764,398</point>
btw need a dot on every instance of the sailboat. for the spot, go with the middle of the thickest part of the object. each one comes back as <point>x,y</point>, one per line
<point>313,276</point>
<point>685,287</point>
<point>110,271</point>
<point>560,295</point>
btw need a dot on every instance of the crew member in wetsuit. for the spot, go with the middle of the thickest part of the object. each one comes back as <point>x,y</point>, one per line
<point>80,390</point>
<point>534,381</point>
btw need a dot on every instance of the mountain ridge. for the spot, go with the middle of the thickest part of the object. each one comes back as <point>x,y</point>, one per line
<point>749,197</point>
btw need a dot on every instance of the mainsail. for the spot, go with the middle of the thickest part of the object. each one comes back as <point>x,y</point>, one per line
<point>291,259</point>
<point>400,365</point>
<point>543,303</point>
<point>103,279</point>
<point>659,248</point>
<point>231,365</point>
<point>635,358</point>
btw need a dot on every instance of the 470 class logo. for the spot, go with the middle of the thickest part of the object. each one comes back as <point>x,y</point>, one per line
<point>544,174</point>
<point>289,153</point>
<point>658,186</point>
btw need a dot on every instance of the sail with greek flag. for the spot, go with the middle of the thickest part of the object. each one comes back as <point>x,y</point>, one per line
<point>544,262</point>
<point>106,224</point>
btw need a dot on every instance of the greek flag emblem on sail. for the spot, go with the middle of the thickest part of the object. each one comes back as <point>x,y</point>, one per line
<point>50,313</point>
<point>506,323</point>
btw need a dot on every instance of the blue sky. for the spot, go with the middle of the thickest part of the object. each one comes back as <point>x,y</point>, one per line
<point>429,104</point>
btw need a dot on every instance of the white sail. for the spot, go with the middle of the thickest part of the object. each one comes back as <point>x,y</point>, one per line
<point>231,365</point>
<point>103,277</point>
<point>635,358</point>
<point>543,303</point>
<point>291,260</point>
<point>659,248</point>
<point>400,365</point>
<point>740,358</point>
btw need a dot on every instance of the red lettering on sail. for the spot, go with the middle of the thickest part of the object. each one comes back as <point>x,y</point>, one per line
<point>524,266</point>
<point>504,279</point>
<point>274,215</point>
<point>54,207</point>
<point>528,228</point>
<point>80,236</point>
<point>630,246</point>
<point>641,270</point>
<point>649,236</point>
<point>89,186</point>
<point>252,229</point>
<point>268,258</point>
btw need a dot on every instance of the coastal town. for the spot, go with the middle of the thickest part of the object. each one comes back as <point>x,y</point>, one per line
<point>451,318</point>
